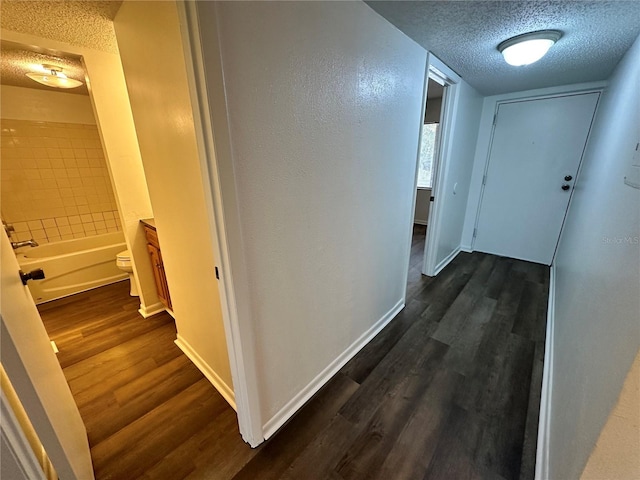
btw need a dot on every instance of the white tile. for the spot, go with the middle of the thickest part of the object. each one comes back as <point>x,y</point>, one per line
<point>35,225</point>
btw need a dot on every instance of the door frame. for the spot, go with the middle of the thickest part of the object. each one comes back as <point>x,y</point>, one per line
<point>485,135</point>
<point>212,135</point>
<point>485,169</point>
<point>441,73</point>
<point>239,337</point>
<point>14,437</point>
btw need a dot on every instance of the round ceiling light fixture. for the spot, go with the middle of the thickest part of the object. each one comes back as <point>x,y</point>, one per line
<point>55,79</point>
<point>528,48</point>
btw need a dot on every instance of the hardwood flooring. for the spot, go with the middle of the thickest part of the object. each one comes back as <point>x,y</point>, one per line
<point>450,389</point>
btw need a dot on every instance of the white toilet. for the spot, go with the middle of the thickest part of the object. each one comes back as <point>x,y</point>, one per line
<point>123,261</point>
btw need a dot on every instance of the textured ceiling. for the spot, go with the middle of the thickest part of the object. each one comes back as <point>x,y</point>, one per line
<point>465,35</point>
<point>16,60</point>
<point>83,23</point>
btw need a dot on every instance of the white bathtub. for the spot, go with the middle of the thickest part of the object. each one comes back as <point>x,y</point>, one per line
<point>73,266</point>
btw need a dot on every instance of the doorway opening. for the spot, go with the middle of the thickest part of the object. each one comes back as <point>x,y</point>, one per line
<point>435,140</point>
<point>131,373</point>
<point>428,160</point>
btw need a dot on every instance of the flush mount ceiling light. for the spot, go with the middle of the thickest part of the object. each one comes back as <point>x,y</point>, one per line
<point>529,47</point>
<point>52,76</point>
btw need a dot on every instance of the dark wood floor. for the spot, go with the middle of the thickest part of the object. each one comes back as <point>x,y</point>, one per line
<point>449,389</point>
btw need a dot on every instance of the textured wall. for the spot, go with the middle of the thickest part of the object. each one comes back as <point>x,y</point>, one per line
<point>617,453</point>
<point>597,332</point>
<point>324,103</point>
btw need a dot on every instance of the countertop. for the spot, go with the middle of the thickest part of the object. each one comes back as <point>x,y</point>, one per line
<point>150,222</point>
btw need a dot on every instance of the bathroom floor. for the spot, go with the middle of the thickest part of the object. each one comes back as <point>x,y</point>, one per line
<point>449,389</point>
<point>146,407</point>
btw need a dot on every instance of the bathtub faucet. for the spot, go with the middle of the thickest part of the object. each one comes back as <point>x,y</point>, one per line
<point>26,243</point>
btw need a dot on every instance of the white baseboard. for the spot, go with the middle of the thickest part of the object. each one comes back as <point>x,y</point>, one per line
<point>466,248</point>
<point>420,222</point>
<point>542,449</point>
<point>447,260</point>
<point>147,311</point>
<point>286,412</point>
<point>207,371</point>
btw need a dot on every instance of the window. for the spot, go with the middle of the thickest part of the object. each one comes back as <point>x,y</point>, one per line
<point>427,151</point>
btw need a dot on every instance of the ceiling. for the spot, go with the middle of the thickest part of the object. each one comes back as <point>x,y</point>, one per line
<point>16,60</point>
<point>85,23</point>
<point>465,36</point>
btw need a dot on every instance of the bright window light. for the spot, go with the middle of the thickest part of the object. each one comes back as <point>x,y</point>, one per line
<point>428,146</point>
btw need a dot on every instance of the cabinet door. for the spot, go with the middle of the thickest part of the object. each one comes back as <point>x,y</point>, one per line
<point>159,276</point>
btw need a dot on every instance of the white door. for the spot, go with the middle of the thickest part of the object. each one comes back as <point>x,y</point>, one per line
<point>535,155</point>
<point>36,375</point>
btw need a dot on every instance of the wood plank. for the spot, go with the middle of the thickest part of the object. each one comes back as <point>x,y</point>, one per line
<point>461,356</point>
<point>139,397</point>
<point>412,451</point>
<point>216,446</point>
<point>453,458</point>
<point>116,367</point>
<point>501,443</point>
<point>498,276</point>
<point>368,451</point>
<point>457,315</point>
<point>279,452</point>
<point>101,337</point>
<point>415,352</point>
<point>143,443</point>
<point>361,366</point>
<point>317,461</point>
<point>529,447</point>
<point>532,311</point>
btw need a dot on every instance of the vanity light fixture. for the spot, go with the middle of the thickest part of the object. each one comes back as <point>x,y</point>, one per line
<point>55,78</point>
<point>529,47</point>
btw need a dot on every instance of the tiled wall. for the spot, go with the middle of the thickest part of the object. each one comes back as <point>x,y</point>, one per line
<point>55,184</point>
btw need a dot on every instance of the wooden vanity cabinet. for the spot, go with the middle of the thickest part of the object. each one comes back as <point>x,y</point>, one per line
<point>153,247</point>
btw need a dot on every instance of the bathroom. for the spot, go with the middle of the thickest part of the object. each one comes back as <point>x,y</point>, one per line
<point>144,164</point>
<point>56,188</point>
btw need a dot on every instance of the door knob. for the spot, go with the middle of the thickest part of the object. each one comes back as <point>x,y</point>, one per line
<point>568,178</point>
<point>565,187</point>
<point>37,274</point>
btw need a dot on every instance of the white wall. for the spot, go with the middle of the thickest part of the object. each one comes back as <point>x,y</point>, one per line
<point>432,112</point>
<point>115,122</point>
<point>324,105</point>
<point>597,309</point>
<point>163,117</point>
<point>457,177</point>
<point>21,103</point>
<point>617,452</point>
